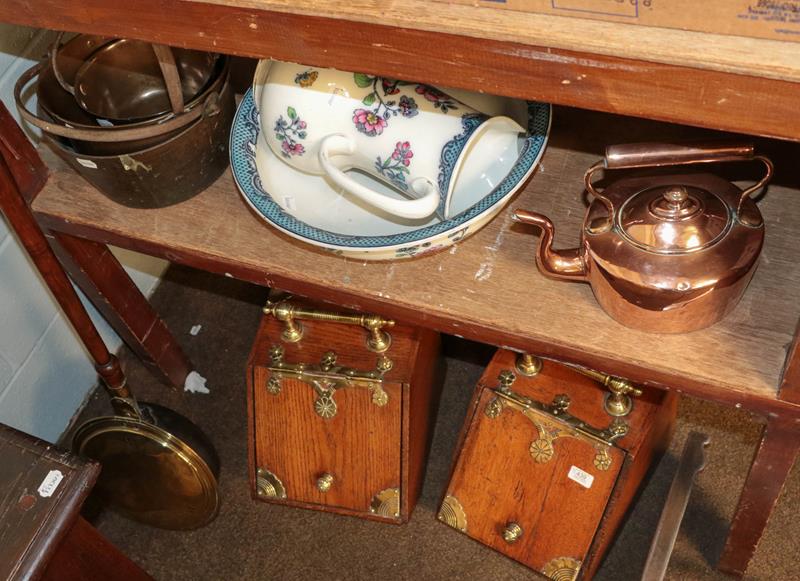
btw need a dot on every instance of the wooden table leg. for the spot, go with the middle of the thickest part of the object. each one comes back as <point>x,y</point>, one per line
<point>776,453</point>
<point>86,555</point>
<point>101,277</point>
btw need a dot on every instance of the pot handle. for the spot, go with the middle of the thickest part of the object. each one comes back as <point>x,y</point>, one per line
<point>54,48</point>
<point>417,208</point>
<point>637,155</point>
<point>107,134</point>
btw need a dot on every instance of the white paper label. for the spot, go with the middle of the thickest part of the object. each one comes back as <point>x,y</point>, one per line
<point>583,478</point>
<point>86,163</point>
<point>50,483</point>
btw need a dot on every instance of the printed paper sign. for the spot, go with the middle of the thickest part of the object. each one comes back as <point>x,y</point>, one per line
<point>50,483</point>
<point>583,478</point>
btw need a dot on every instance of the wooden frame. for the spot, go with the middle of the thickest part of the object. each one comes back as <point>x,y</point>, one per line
<point>754,98</point>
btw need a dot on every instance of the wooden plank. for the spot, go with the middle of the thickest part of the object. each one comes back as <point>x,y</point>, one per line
<point>745,99</point>
<point>27,168</point>
<point>776,453</point>
<point>32,524</point>
<point>790,382</point>
<point>735,54</point>
<point>101,277</point>
<point>86,555</point>
<point>486,287</point>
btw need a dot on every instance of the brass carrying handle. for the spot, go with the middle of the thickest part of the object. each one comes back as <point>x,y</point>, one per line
<point>619,402</point>
<point>378,340</point>
<point>638,155</point>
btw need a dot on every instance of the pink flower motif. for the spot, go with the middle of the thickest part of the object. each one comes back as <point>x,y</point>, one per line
<point>368,122</point>
<point>292,148</point>
<point>402,153</point>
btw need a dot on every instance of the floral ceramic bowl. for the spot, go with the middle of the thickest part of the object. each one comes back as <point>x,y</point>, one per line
<point>314,210</point>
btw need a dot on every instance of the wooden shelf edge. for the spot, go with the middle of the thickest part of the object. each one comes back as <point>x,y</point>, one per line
<point>731,395</point>
<point>755,105</point>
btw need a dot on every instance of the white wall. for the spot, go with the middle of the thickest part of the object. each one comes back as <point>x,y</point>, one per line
<point>45,374</point>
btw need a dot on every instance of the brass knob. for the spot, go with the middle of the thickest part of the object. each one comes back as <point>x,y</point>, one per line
<point>512,533</point>
<point>528,365</point>
<point>325,482</point>
<point>676,195</point>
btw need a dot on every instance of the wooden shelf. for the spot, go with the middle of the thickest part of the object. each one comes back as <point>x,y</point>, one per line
<point>487,287</point>
<point>721,82</point>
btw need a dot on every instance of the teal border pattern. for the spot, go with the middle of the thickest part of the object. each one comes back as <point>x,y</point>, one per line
<point>243,140</point>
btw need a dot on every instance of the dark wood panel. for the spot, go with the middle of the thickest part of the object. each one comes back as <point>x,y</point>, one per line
<point>423,392</point>
<point>33,523</point>
<point>28,169</point>
<point>774,458</point>
<point>103,280</point>
<point>86,555</point>
<point>790,380</point>
<point>707,98</point>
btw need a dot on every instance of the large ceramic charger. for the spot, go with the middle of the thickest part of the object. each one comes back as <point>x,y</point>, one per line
<point>312,209</point>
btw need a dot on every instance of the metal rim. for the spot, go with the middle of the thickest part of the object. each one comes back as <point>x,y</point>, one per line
<point>197,465</point>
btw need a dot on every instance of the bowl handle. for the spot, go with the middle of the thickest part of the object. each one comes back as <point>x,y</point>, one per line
<point>421,207</point>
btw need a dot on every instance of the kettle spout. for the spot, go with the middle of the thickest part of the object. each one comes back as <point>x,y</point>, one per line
<point>561,264</point>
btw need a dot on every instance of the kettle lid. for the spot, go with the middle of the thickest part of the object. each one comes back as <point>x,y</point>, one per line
<point>674,219</point>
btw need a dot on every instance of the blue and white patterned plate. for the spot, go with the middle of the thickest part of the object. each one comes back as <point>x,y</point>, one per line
<point>313,210</point>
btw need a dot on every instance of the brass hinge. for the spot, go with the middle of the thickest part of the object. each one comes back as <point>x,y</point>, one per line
<point>541,449</point>
<point>327,377</point>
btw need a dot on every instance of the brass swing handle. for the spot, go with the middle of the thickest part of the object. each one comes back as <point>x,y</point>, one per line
<point>619,402</point>
<point>638,155</point>
<point>378,340</point>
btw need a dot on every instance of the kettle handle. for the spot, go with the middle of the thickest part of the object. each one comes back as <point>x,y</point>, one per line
<point>637,155</point>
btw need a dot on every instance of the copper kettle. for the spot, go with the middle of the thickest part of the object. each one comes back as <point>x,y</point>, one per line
<point>664,253</point>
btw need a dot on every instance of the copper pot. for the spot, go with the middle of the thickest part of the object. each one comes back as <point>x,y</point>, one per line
<point>667,253</point>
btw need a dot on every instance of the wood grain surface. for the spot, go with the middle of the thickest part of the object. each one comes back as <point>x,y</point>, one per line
<point>774,458</point>
<point>365,447</point>
<point>359,446</point>
<point>32,523</point>
<point>714,81</point>
<point>487,287</point>
<point>496,480</point>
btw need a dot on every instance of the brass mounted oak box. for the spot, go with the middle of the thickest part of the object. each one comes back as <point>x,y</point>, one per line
<point>550,460</point>
<point>340,410</point>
